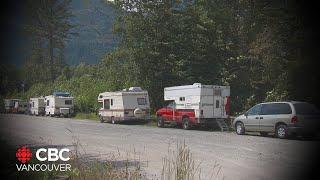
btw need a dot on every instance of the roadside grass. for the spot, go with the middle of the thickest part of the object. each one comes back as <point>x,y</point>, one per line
<point>84,166</point>
<point>91,116</point>
<point>88,168</point>
<point>180,165</point>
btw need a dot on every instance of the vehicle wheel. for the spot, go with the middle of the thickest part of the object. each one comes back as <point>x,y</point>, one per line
<point>160,122</point>
<point>240,128</point>
<point>113,121</point>
<point>264,134</point>
<point>281,131</point>
<point>101,119</point>
<point>185,123</point>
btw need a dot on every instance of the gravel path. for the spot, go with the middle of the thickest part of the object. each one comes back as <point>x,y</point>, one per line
<point>240,157</point>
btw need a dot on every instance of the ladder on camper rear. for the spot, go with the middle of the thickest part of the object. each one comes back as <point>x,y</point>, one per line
<point>222,125</point>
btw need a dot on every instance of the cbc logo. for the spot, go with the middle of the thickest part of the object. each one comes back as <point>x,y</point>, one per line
<point>45,157</point>
<point>52,154</point>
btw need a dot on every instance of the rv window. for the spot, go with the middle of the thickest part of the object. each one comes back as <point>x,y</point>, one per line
<point>141,101</point>
<point>217,103</point>
<point>47,102</point>
<point>68,102</point>
<point>32,104</point>
<point>171,105</point>
<point>106,104</point>
<point>111,102</point>
<point>182,98</point>
<point>217,92</point>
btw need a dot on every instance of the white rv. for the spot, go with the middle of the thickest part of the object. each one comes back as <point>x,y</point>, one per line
<point>20,107</point>
<point>59,104</point>
<point>194,104</point>
<point>9,105</point>
<point>37,106</point>
<point>125,105</point>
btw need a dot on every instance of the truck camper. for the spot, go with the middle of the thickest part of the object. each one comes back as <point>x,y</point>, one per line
<point>196,104</point>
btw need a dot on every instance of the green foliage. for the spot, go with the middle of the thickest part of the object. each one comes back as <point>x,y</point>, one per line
<point>92,116</point>
<point>256,47</point>
<point>48,26</point>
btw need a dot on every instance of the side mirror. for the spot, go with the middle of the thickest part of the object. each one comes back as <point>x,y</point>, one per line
<point>246,114</point>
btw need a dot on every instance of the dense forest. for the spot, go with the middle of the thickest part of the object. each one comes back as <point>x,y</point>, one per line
<point>263,49</point>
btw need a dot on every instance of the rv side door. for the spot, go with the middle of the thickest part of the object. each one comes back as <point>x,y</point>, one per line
<point>217,106</point>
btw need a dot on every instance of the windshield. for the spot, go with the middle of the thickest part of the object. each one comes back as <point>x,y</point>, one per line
<point>306,109</point>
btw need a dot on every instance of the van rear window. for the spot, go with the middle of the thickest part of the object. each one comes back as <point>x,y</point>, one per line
<point>306,109</point>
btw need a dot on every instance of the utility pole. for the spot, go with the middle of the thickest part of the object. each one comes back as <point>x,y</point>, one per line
<point>22,84</point>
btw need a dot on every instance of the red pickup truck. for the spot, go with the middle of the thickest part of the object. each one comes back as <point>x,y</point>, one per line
<point>193,105</point>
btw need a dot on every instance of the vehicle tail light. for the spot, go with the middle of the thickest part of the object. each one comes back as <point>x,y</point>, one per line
<point>294,119</point>
<point>227,106</point>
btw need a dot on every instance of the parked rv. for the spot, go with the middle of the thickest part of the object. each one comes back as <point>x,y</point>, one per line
<point>9,105</point>
<point>59,104</point>
<point>126,105</point>
<point>37,106</point>
<point>20,107</point>
<point>196,104</point>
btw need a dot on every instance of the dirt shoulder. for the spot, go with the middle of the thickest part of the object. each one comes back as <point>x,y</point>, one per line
<point>241,157</point>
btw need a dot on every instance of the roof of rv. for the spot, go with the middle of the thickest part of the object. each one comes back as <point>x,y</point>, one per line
<point>66,97</point>
<point>195,85</point>
<point>62,94</point>
<point>123,92</point>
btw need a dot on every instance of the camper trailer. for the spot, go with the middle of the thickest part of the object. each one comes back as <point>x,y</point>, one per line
<point>20,107</point>
<point>196,104</point>
<point>37,106</point>
<point>59,104</point>
<point>126,105</point>
<point>9,105</point>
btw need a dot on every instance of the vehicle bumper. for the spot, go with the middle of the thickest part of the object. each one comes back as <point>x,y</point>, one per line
<point>206,121</point>
<point>297,130</point>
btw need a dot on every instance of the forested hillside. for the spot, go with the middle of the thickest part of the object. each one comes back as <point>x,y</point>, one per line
<point>263,49</point>
<point>93,25</point>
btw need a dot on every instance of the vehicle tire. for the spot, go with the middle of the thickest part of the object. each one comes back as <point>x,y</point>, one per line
<point>240,128</point>
<point>101,119</point>
<point>160,122</point>
<point>281,131</point>
<point>113,121</point>
<point>264,134</point>
<point>185,123</point>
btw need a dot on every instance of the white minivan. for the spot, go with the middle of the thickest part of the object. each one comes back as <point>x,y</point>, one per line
<point>282,118</point>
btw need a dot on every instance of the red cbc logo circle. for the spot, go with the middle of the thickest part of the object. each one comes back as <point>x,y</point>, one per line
<point>23,154</point>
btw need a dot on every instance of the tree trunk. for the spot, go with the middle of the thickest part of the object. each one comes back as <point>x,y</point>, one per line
<point>51,63</point>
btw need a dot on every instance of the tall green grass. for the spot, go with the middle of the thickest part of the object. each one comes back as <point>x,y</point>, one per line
<point>91,116</point>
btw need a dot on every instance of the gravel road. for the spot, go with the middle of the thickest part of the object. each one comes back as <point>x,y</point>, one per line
<point>240,157</point>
